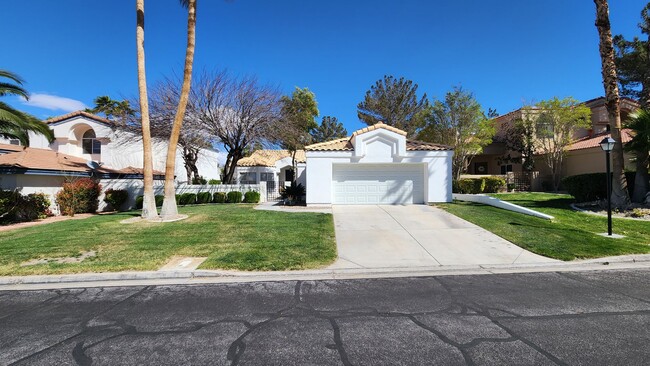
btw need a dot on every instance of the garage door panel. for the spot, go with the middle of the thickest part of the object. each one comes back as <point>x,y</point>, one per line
<point>378,183</point>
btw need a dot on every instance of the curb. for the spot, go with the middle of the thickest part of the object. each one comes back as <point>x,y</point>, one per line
<point>222,276</point>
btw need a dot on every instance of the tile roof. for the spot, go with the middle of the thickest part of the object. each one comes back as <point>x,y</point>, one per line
<point>269,157</point>
<point>79,114</point>
<point>10,147</point>
<point>345,143</point>
<point>342,144</point>
<point>377,126</point>
<point>594,141</point>
<point>413,145</point>
<point>45,159</point>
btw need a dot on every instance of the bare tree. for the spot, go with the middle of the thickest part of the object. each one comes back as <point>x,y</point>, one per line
<point>239,112</point>
<point>163,101</point>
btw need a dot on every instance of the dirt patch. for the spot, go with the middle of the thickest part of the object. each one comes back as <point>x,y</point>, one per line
<point>61,260</point>
<point>20,225</point>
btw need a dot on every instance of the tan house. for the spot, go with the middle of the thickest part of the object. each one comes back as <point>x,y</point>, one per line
<point>583,156</point>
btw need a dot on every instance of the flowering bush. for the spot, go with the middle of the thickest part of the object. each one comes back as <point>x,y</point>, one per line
<point>79,196</point>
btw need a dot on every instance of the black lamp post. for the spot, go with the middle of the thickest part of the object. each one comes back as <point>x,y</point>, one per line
<point>608,145</point>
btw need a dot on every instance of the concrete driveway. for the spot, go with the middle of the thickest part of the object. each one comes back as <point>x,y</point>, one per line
<point>381,236</point>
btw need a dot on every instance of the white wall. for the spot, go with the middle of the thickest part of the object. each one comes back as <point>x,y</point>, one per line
<point>27,184</point>
<point>379,146</point>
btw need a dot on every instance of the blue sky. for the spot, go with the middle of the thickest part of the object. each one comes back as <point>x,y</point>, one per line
<point>507,52</point>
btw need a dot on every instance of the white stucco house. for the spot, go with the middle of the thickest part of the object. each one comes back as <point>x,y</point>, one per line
<point>376,165</point>
<point>82,138</point>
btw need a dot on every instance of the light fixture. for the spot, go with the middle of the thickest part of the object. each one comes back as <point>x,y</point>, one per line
<point>607,144</point>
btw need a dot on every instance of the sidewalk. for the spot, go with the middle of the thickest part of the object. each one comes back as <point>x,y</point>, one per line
<point>189,277</point>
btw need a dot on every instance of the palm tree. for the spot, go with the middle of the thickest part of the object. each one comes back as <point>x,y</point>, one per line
<point>149,201</point>
<point>620,196</point>
<point>15,124</point>
<point>169,209</point>
<point>639,122</point>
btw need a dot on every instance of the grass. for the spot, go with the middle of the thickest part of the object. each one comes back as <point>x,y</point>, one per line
<point>230,236</point>
<point>569,236</point>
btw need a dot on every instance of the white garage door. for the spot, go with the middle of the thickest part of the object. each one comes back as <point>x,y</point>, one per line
<point>359,184</point>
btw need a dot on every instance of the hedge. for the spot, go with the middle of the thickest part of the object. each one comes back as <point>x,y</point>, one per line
<point>187,199</point>
<point>593,186</point>
<point>115,198</point>
<point>159,198</point>
<point>251,197</point>
<point>219,197</point>
<point>214,181</point>
<point>203,197</point>
<point>234,197</point>
<point>479,185</point>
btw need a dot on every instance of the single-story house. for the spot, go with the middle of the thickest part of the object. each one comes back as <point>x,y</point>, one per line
<point>376,165</point>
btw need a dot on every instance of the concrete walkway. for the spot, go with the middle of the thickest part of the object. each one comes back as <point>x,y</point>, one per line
<point>418,236</point>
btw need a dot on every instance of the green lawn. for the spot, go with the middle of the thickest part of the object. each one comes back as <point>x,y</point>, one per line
<point>569,236</point>
<point>231,236</point>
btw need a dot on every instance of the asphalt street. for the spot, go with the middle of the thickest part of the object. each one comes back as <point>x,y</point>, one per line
<point>575,318</point>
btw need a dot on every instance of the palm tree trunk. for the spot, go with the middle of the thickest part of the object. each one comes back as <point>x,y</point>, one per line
<point>620,197</point>
<point>149,201</point>
<point>169,209</point>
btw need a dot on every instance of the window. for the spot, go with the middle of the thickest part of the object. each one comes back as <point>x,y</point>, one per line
<point>14,142</point>
<point>90,144</point>
<point>506,168</point>
<point>267,177</point>
<point>247,178</point>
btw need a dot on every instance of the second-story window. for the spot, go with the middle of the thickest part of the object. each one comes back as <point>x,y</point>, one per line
<point>90,144</point>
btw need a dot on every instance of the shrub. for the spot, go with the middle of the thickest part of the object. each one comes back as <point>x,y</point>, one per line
<point>203,197</point>
<point>115,198</point>
<point>15,207</point>
<point>214,181</point>
<point>188,199</point>
<point>470,185</point>
<point>79,196</point>
<point>494,184</point>
<point>591,187</point>
<point>234,197</point>
<point>219,197</point>
<point>293,193</point>
<point>178,199</point>
<point>139,201</point>
<point>159,198</point>
<point>251,197</point>
<point>199,180</point>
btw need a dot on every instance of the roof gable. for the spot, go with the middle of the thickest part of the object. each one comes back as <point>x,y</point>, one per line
<point>346,143</point>
<point>77,114</point>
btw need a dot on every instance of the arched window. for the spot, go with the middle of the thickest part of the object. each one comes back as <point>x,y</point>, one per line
<point>90,144</point>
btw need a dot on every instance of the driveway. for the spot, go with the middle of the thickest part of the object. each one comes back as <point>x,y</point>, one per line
<point>381,236</point>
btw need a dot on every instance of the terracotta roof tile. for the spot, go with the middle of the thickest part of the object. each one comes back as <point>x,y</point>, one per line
<point>79,114</point>
<point>342,144</point>
<point>10,147</point>
<point>45,159</point>
<point>413,145</point>
<point>594,141</point>
<point>269,157</point>
<point>377,126</point>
